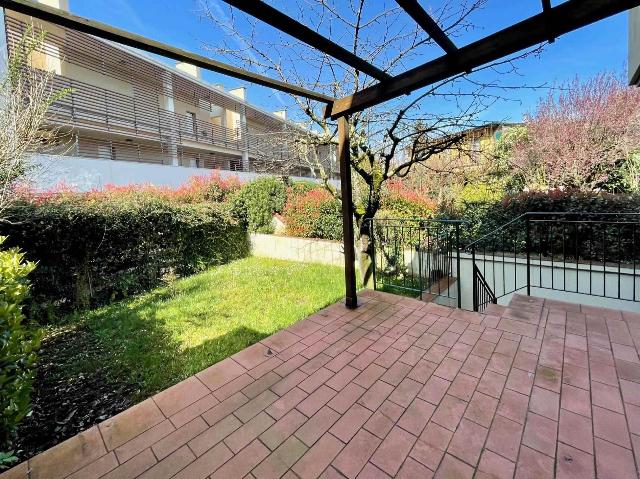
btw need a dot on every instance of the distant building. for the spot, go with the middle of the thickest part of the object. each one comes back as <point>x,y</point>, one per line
<point>134,119</point>
<point>634,47</point>
<point>476,143</point>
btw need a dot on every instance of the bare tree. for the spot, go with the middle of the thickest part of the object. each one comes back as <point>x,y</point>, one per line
<point>26,95</point>
<point>587,137</point>
<point>385,142</point>
<point>291,148</point>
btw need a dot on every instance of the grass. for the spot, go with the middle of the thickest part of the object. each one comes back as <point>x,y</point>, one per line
<point>173,332</point>
<point>99,363</point>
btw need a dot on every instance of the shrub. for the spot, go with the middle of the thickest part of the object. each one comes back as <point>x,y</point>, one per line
<point>18,346</point>
<point>402,201</point>
<point>94,248</point>
<point>197,189</point>
<point>313,214</point>
<point>486,217</point>
<point>255,203</point>
<point>478,193</point>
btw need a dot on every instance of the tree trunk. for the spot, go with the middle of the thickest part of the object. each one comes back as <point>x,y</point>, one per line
<point>365,263</point>
<point>365,245</point>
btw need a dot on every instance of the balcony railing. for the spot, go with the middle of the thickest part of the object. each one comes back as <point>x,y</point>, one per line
<point>100,109</point>
<point>419,258</point>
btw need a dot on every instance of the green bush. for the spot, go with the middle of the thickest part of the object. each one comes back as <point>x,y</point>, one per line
<point>313,213</point>
<point>477,193</point>
<point>484,217</point>
<point>91,251</point>
<point>18,346</point>
<point>401,201</point>
<point>256,203</point>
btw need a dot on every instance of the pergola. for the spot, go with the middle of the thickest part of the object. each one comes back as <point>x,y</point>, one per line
<point>550,23</point>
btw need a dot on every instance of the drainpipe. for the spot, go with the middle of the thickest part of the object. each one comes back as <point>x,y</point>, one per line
<point>172,146</point>
<point>245,139</point>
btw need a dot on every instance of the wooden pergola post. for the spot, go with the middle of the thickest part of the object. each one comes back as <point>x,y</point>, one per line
<point>344,154</point>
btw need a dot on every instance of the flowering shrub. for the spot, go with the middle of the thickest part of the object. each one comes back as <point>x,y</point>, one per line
<point>313,213</point>
<point>402,201</point>
<point>197,189</point>
<point>581,138</point>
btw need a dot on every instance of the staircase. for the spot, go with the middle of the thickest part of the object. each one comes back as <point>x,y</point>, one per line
<point>577,257</point>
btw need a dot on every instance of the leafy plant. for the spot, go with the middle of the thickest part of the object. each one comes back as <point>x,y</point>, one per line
<point>18,347</point>
<point>402,201</point>
<point>256,202</point>
<point>313,213</point>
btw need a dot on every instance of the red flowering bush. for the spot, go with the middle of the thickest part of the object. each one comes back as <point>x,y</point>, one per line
<point>198,189</point>
<point>312,213</point>
<point>402,201</point>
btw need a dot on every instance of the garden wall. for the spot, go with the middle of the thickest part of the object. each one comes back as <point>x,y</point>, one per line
<point>85,174</point>
<point>544,273</point>
<point>307,250</point>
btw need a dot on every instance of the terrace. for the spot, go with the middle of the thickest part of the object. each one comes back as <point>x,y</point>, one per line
<point>396,388</point>
<point>380,385</point>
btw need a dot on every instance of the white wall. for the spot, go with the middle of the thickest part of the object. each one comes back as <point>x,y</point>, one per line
<point>85,174</point>
<point>542,274</point>
<point>634,45</point>
<point>306,250</point>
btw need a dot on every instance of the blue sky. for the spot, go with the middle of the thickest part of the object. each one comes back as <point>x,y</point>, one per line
<point>599,47</point>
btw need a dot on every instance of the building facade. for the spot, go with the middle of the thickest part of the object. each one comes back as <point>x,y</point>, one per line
<point>130,117</point>
<point>634,47</point>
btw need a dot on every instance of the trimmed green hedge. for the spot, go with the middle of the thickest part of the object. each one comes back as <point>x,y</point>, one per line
<point>93,251</point>
<point>485,216</point>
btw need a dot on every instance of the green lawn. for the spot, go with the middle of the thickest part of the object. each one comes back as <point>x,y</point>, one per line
<point>99,363</point>
<point>176,331</point>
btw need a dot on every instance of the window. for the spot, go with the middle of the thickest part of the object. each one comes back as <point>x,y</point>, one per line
<point>194,122</point>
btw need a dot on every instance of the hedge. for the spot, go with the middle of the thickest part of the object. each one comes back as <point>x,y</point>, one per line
<point>402,201</point>
<point>255,203</point>
<point>91,251</point>
<point>18,346</point>
<point>313,213</point>
<point>485,216</point>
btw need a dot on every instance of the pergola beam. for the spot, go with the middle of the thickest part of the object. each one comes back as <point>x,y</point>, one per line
<point>274,17</point>
<point>428,24</point>
<point>556,21</point>
<point>102,30</point>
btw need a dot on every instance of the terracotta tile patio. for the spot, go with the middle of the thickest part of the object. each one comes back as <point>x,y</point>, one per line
<point>396,388</point>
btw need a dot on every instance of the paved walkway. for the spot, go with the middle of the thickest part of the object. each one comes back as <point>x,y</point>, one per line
<point>396,388</point>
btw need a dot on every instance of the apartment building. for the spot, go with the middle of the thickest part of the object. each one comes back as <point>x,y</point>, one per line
<point>132,118</point>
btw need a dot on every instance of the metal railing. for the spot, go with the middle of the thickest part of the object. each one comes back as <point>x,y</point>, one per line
<point>482,293</point>
<point>594,254</point>
<point>419,258</point>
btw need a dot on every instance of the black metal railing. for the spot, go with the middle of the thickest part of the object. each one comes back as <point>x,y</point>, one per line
<point>419,257</point>
<point>482,292</point>
<point>584,253</point>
